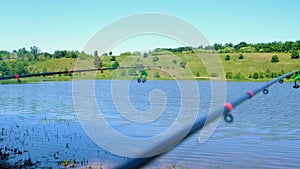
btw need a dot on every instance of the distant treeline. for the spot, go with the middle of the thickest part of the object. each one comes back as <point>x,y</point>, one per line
<point>272,47</point>
<point>242,47</point>
<point>35,54</point>
<point>18,61</point>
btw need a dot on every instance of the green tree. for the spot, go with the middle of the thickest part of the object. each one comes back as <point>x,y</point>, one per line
<point>67,70</point>
<point>136,53</point>
<point>241,56</point>
<point>268,73</point>
<point>4,68</point>
<point>59,54</point>
<point>110,53</point>
<point>261,75</point>
<point>240,45</point>
<point>22,53</point>
<point>228,45</point>
<point>287,46</point>
<point>218,46</point>
<point>274,74</point>
<point>95,53</point>
<point>47,55</point>
<point>275,59</point>
<point>239,76</point>
<point>250,76</point>
<point>255,75</point>
<point>7,57</point>
<point>247,49</point>
<point>227,57</point>
<point>295,55</point>
<point>45,70</point>
<point>145,55</point>
<point>34,50</point>
<point>83,55</point>
<point>113,58</point>
<point>30,57</point>
<point>126,54</point>
<point>97,62</point>
<point>227,50</point>
<point>229,75</point>
<point>72,54</point>
<point>19,67</point>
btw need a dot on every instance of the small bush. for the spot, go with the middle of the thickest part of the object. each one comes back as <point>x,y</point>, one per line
<point>227,57</point>
<point>239,76</point>
<point>145,55</point>
<point>250,76</point>
<point>113,58</point>
<point>241,56</point>
<point>182,64</point>
<point>295,55</point>
<point>255,75</point>
<point>155,59</point>
<point>156,75</point>
<point>229,75</point>
<point>275,59</point>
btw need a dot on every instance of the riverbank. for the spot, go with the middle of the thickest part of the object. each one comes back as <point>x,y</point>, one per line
<point>65,79</point>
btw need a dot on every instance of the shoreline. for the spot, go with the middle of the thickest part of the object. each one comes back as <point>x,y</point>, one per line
<point>66,79</point>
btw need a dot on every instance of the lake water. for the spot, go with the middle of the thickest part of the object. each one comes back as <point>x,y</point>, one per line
<point>39,122</point>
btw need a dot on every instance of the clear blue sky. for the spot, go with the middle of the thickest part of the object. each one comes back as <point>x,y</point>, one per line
<point>61,24</point>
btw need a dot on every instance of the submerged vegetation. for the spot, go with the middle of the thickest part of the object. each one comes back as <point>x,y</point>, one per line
<point>18,141</point>
<point>243,61</point>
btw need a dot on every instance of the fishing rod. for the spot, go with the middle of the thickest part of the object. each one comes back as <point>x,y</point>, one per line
<point>200,122</point>
<point>142,71</point>
<point>143,77</point>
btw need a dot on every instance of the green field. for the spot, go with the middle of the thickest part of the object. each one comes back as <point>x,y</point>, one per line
<point>241,69</point>
<point>260,63</point>
<point>253,67</point>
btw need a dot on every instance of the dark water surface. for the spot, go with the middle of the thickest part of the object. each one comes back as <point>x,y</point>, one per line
<point>39,122</point>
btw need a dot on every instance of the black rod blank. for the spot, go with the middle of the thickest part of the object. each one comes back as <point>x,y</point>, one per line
<point>69,72</point>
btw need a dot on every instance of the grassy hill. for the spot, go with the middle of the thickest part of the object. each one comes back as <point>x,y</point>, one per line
<point>260,63</point>
<point>253,66</point>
